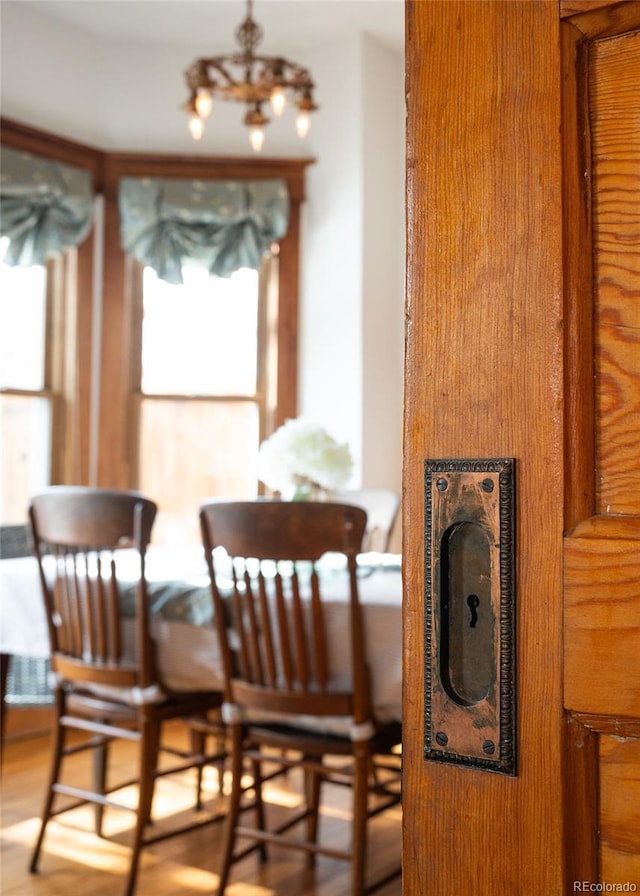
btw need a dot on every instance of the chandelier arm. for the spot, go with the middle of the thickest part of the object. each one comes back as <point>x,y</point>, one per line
<point>218,65</point>
<point>290,74</point>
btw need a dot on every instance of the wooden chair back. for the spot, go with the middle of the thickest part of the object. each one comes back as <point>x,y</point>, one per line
<point>79,537</point>
<point>271,625</point>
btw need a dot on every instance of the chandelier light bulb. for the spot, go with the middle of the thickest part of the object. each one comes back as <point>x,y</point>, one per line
<point>203,102</point>
<point>278,100</point>
<point>255,120</point>
<point>196,126</point>
<point>256,136</point>
<point>303,123</point>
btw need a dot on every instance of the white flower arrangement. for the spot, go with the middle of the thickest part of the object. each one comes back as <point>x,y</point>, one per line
<point>301,458</point>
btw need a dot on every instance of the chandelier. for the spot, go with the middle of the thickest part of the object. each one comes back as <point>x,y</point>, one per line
<point>249,78</point>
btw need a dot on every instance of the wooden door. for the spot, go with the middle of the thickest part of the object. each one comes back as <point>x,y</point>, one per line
<point>602,540</point>
<point>523,341</point>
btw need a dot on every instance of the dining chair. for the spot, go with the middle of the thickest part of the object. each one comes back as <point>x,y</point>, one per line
<point>382,506</point>
<point>276,651</point>
<point>105,680</point>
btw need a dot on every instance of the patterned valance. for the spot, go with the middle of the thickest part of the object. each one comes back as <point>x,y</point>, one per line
<point>220,225</point>
<point>46,207</point>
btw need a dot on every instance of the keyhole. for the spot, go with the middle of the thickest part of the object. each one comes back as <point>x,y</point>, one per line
<point>473,601</point>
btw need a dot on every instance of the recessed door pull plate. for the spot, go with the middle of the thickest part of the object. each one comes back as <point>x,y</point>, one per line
<point>470,690</point>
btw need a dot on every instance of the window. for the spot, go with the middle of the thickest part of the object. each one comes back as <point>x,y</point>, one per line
<point>201,391</point>
<point>44,379</point>
<point>46,364</point>
<point>26,402</point>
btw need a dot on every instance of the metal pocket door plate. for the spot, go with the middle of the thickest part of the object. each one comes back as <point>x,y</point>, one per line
<point>470,694</point>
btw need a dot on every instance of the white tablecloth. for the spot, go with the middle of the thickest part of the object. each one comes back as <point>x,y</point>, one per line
<point>187,651</point>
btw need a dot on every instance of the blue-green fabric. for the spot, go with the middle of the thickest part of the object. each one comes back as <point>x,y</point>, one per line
<point>220,225</point>
<point>46,207</point>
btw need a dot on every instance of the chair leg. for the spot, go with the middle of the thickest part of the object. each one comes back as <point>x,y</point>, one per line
<point>57,747</point>
<point>198,735</point>
<point>198,742</point>
<point>231,820</point>
<point>360,806</point>
<point>100,763</point>
<point>312,780</point>
<point>221,763</point>
<point>261,820</point>
<point>149,742</point>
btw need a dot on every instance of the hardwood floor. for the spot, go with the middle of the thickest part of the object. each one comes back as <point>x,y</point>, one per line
<point>75,861</point>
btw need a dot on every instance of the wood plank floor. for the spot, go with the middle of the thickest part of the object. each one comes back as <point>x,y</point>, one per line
<point>75,862</point>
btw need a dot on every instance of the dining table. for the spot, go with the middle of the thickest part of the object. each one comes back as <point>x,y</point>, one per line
<point>182,619</point>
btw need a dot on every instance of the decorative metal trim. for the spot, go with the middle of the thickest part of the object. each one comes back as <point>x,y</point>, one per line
<point>435,742</point>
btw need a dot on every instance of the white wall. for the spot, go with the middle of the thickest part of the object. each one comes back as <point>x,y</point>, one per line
<point>127,96</point>
<point>48,74</point>
<point>331,332</point>
<point>383,267</point>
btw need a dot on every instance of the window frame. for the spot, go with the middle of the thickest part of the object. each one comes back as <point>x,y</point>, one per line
<point>120,347</point>
<point>68,351</point>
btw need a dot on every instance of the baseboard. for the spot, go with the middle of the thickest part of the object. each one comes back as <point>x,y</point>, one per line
<point>26,721</point>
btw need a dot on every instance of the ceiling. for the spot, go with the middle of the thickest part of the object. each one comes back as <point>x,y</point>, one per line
<point>212,23</point>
